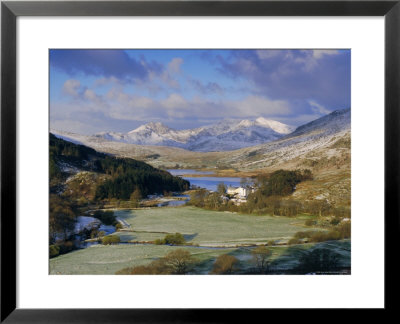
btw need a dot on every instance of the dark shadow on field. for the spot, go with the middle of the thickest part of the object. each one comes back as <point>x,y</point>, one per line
<point>123,214</point>
<point>189,237</point>
<point>326,258</point>
<point>330,257</point>
<point>243,266</point>
<point>203,267</point>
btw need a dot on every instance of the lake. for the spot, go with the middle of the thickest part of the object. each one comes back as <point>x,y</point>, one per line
<point>182,172</point>
<point>207,182</point>
<point>175,203</point>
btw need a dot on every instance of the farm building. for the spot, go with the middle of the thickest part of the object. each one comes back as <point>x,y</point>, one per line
<point>239,191</point>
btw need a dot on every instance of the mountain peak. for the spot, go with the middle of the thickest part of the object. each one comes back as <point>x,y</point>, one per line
<point>152,126</point>
<point>275,125</point>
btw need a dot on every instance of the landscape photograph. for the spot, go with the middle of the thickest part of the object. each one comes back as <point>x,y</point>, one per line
<point>199,162</point>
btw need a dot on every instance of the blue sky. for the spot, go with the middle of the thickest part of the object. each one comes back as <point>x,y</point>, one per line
<point>118,90</point>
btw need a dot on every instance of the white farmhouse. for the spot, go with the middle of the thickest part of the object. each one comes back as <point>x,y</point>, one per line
<point>239,191</point>
<point>231,190</point>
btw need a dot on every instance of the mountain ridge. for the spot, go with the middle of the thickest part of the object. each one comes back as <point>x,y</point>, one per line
<point>226,135</point>
<point>308,146</point>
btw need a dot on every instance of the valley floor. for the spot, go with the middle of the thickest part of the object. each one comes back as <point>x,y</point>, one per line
<point>211,234</point>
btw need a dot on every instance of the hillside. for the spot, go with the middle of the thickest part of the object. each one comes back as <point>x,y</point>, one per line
<point>322,143</point>
<point>119,177</point>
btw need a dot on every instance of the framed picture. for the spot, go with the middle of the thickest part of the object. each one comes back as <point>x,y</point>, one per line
<point>245,142</point>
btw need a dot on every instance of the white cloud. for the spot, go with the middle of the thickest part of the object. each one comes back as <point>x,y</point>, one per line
<point>105,81</point>
<point>247,66</point>
<point>297,120</point>
<point>74,126</point>
<point>267,54</point>
<point>174,101</point>
<point>259,106</point>
<point>90,95</point>
<point>174,66</point>
<point>317,54</point>
<point>71,87</point>
<point>117,105</point>
<point>317,108</point>
<point>310,60</point>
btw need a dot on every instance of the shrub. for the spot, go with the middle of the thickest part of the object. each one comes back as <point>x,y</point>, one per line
<point>159,242</point>
<point>310,222</point>
<point>340,232</point>
<point>344,230</point>
<point>224,264</point>
<point>155,267</point>
<point>94,233</point>
<point>178,261</point>
<point>301,235</point>
<point>335,221</point>
<point>143,270</point>
<point>326,236</point>
<point>294,241</point>
<point>271,243</point>
<point>118,226</point>
<point>66,246</point>
<point>174,239</point>
<point>175,262</point>
<point>124,271</point>
<point>54,250</point>
<point>110,239</point>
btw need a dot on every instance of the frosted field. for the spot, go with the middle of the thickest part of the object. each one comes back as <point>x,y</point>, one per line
<point>207,228</point>
<point>104,260</point>
<point>107,259</point>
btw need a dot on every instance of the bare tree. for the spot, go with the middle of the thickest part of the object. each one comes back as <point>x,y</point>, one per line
<point>261,255</point>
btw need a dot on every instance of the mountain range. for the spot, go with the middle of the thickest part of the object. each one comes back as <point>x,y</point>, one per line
<point>322,145</point>
<point>226,135</point>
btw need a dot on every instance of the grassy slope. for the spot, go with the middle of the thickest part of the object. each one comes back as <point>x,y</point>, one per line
<point>332,185</point>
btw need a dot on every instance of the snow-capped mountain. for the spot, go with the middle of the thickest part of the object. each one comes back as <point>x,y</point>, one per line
<point>226,135</point>
<point>311,141</point>
<point>325,139</point>
<point>334,122</point>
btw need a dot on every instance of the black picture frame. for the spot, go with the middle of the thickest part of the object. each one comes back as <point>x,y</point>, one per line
<point>10,10</point>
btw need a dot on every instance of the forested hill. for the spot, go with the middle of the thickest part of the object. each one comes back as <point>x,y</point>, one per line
<point>124,175</point>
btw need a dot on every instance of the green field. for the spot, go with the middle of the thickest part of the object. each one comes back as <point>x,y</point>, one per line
<point>207,228</point>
